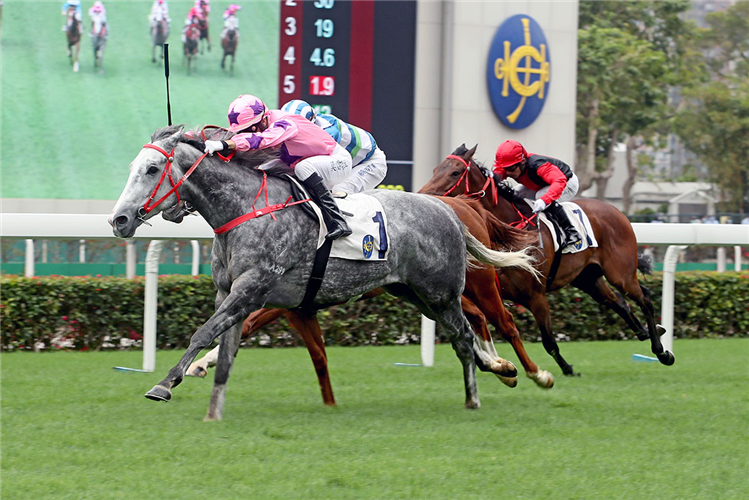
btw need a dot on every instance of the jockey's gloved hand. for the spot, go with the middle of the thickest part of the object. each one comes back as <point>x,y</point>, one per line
<point>213,146</point>
<point>539,206</point>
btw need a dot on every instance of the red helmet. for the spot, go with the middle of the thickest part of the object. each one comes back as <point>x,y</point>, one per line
<point>509,153</point>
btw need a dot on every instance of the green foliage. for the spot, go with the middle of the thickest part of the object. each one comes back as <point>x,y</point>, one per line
<point>104,313</point>
<point>714,119</point>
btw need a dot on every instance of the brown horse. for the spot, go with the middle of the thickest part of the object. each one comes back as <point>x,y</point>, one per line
<point>203,26</point>
<point>229,44</point>
<point>190,43</point>
<point>481,301</point>
<point>615,258</point>
<point>73,34</point>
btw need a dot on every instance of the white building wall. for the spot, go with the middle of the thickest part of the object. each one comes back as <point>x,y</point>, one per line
<point>452,100</point>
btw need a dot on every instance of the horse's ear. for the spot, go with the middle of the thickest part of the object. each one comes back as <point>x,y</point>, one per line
<point>469,154</point>
<point>460,149</point>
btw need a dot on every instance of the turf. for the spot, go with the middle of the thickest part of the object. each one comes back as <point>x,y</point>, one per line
<point>74,428</point>
<point>72,135</point>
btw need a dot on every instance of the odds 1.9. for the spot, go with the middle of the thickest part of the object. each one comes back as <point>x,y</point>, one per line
<point>322,85</point>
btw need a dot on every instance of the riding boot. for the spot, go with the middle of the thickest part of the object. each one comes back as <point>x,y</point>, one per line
<point>331,215</point>
<point>571,235</point>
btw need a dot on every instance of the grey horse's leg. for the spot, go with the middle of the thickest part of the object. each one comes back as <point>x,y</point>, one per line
<point>227,352</point>
<point>449,314</point>
<point>461,337</point>
<point>238,304</point>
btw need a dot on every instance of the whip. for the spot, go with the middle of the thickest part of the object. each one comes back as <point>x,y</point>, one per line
<point>166,74</point>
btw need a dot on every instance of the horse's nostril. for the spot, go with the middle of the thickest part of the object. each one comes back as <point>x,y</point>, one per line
<point>121,220</point>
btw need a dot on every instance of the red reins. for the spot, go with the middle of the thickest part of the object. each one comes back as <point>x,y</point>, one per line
<point>269,209</point>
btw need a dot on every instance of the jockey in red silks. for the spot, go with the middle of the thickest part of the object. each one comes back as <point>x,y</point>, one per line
<point>315,157</point>
<point>545,179</point>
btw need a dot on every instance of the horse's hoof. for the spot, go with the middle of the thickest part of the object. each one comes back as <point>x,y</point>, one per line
<point>198,371</point>
<point>543,378</point>
<point>159,393</point>
<point>506,369</point>
<point>660,329</point>
<point>508,381</point>
<point>570,372</point>
<point>666,358</point>
<point>473,405</point>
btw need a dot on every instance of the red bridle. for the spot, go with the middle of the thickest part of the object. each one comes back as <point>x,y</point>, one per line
<point>479,194</point>
<point>269,209</point>
<point>148,207</point>
<point>524,221</point>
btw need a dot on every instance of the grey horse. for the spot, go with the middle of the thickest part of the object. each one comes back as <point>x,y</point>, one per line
<point>267,262</point>
<point>99,34</point>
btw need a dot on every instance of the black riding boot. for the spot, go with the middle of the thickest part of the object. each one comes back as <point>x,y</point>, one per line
<point>332,216</point>
<point>571,235</point>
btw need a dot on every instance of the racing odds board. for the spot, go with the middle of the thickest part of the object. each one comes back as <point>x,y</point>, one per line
<point>355,60</point>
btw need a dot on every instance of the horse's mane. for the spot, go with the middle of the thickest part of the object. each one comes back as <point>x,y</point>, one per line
<point>502,235</point>
<point>504,189</point>
<point>174,134</point>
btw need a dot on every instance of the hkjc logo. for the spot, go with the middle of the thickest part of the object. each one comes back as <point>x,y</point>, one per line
<point>518,71</point>
<point>367,246</point>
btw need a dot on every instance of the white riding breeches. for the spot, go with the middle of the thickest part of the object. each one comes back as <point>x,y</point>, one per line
<point>570,190</point>
<point>334,169</point>
<point>366,175</point>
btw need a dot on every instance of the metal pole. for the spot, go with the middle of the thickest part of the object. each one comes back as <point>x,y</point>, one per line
<point>150,305</point>
<point>195,257</point>
<point>131,260</point>
<point>427,341</point>
<point>737,258</point>
<point>82,251</point>
<point>667,302</point>
<point>28,270</point>
<point>721,259</point>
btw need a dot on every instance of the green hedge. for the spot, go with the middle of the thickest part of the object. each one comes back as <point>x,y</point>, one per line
<point>107,312</point>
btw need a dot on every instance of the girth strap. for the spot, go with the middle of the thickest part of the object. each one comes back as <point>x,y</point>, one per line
<point>315,279</point>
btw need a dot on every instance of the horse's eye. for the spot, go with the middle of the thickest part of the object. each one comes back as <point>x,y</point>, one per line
<point>455,174</point>
<point>152,170</point>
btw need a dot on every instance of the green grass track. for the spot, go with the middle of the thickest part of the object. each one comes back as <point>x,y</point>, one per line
<point>72,135</point>
<point>74,428</point>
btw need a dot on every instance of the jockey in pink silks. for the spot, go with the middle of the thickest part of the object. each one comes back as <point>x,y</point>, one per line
<point>230,20</point>
<point>159,12</point>
<point>315,157</point>
<point>98,15</point>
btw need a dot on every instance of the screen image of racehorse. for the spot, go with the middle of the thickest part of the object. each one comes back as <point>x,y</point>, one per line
<point>434,282</point>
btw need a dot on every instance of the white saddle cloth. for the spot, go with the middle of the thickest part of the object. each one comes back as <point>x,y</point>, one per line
<point>581,222</point>
<point>367,220</point>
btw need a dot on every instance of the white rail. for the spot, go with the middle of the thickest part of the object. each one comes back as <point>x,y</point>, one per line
<point>77,226</point>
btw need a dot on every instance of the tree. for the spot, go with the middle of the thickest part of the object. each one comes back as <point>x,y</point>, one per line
<point>714,121</point>
<point>630,54</point>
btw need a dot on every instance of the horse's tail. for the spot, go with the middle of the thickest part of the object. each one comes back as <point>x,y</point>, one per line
<point>644,263</point>
<point>521,258</point>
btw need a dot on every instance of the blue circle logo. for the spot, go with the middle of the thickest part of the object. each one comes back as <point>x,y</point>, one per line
<point>367,245</point>
<point>518,71</point>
